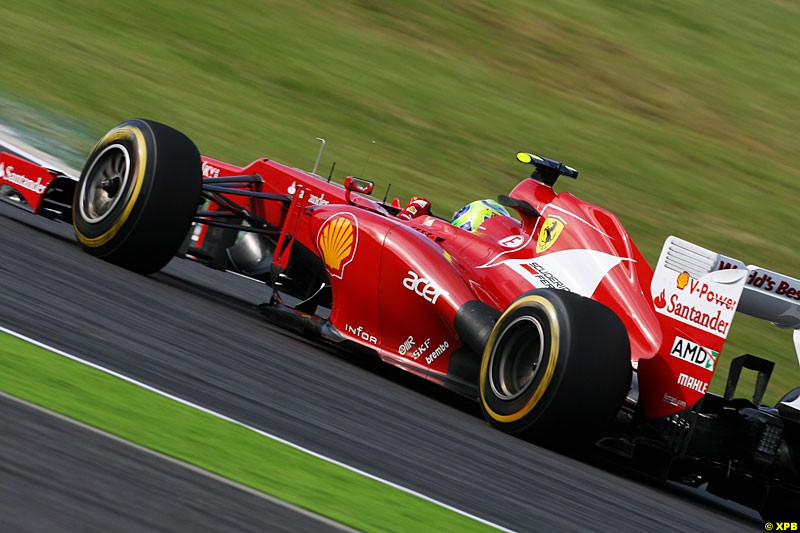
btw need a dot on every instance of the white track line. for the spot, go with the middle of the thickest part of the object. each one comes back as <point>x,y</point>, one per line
<point>251,428</point>
<point>192,468</point>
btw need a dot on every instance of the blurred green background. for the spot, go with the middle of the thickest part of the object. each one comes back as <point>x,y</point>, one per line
<point>681,116</point>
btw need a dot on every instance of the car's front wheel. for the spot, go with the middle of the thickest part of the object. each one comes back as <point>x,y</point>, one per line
<point>137,195</point>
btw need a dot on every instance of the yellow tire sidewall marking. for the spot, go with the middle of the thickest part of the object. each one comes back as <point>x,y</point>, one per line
<point>549,370</point>
<point>123,133</point>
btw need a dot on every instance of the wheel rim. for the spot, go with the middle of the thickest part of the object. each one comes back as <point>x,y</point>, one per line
<point>105,184</point>
<point>516,358</point>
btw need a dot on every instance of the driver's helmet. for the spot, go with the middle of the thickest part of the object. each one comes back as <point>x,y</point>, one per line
<point>472,215</point>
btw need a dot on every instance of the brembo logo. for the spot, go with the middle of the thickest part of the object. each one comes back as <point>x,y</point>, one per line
<point>427,289</point>
<point>8,174</point>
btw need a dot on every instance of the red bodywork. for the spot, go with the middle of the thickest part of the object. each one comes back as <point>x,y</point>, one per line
<point>428,296</point>
<point>29,180</point>
<point>397,285</point>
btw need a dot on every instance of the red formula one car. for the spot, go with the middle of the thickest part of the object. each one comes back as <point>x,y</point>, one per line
<point>552,320</point>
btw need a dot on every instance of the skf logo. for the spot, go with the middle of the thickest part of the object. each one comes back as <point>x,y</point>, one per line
<point>551,229</point>
<point>337,241</point>
<point>423,287</point>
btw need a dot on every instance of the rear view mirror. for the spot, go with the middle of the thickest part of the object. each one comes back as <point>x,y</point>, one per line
<point>354,184</point>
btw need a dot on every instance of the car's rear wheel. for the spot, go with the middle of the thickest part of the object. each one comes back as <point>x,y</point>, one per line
<point>555,369</point>
<point>137,195</point>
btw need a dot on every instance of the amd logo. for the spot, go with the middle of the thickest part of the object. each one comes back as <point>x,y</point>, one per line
<point>693,353</point>
<point>423,287</point>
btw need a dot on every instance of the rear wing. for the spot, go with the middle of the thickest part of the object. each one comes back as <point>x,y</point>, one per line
<point>769,296</point>
<point>766,294</point>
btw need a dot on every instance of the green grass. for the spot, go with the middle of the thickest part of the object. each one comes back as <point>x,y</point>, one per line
<point>230,450</point>
<point>681,116</point>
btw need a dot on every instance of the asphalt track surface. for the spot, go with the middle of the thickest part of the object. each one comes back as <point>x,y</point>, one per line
<point>196,333</point>
<point>46,459</point>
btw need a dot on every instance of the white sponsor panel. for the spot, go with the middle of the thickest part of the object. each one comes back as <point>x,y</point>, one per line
<point>686,288</point>
<point>579,271</point>
<point>694,353</point>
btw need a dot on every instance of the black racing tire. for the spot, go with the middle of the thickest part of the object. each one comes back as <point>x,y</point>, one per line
<point>556,368</point>
<point>137,195</point>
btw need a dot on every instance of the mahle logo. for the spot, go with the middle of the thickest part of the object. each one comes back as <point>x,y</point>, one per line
<point>694,353</point>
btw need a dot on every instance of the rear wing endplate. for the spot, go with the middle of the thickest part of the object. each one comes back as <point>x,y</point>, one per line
<point>767,295</point>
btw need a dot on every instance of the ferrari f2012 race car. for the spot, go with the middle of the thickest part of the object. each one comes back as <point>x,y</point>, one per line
<point>552,320</point>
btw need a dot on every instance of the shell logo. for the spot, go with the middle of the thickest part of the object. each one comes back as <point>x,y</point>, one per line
<point>337,241</point>
<point>683,280</point>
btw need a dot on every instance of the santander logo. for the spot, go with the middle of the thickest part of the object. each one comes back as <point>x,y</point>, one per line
<point>660,301</point>
<point>7,174</point>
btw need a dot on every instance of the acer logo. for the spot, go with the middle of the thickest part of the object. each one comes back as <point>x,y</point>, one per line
<point>209,171</point>
<point>427,289</point>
